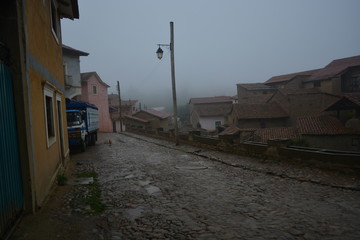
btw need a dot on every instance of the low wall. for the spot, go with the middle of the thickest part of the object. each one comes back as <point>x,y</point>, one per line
<point>275,149</point>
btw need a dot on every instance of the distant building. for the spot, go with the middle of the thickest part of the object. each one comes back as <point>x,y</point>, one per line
<point>252,93</point>
<point>94,91</point>
<point>128,107</point>
<point>338,77</point>
<point>209,112</point>
<point>149,119</point>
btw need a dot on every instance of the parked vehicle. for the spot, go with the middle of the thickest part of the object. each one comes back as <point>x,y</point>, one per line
<point>83,124</point>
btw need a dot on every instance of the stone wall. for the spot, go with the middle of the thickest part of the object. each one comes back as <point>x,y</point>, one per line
<point>274,149</point>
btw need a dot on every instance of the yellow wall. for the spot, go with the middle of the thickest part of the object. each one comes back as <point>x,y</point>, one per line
<point>46,51</point>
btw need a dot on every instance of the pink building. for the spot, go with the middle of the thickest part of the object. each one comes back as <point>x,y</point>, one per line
<point>94,91</point>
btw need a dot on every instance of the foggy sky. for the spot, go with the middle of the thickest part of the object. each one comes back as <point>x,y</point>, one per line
<point>218,44</point>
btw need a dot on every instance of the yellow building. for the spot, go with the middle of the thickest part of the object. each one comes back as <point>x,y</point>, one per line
<point>34,146</point>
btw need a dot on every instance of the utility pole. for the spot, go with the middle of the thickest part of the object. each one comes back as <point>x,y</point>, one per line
<point>120,116</point>
<point>173,82</point>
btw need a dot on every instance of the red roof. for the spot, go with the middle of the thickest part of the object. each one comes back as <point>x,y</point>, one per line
<point>136,119</point>
<point>204,100</point>
<point>213,109</point>
<point>335,67</point>
<point>156,113</point>
<point>265,134</point>
<point>255,86</point>
<point>288,77</point>
<point>232,130</point>
<point>259,111</point>
<point>86,76</point>
<point>322,125</point>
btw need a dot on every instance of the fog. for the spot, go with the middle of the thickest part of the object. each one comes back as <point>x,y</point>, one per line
<point>218,44</point>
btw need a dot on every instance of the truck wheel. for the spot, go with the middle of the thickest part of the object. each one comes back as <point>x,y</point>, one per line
<point>93,139</point>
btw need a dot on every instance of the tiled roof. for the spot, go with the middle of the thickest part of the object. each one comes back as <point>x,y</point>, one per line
<point>347,102</point>
<point>73,51</point>
<point>335,67</point>
<point>204,100</point>
<point>232,130</point>
<point>136,119</point>
<point>322,125</point>
<point>156,113</point>
<point>288,77</point>
<point>255,86</point>
<point>354,97</point>
<point>86,76</point>
<point>212,109</point>
<point>265,134</point>
<point>261,98</point>
<point>259,111</point>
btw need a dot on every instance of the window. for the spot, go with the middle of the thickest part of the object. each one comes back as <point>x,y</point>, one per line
<point>317,84</point>
<point>94,89</point>
<point>217,124</point>
<point>49,115</point>
<point>55,21</point>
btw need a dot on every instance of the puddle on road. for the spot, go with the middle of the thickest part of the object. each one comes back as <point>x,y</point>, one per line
<point>152,189</point>
<point>134,213</point>
<point>129,176</point>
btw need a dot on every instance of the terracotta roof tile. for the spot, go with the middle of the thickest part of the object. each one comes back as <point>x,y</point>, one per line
<point>255,86</point>
<point>335,67</point>
<point>156,113</point>
<point>232,130</point>
<point>204,100</point>
<point>259,111</point>
<point>265,134</point>
<point>86,76</point>
<point>136,119</point>
<point>288,77</point>
<point>322,125</point>
<point>212,109</point>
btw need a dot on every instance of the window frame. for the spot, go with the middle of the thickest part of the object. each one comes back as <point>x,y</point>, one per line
<point>55,27</point>
<point>50,135</point>
<point>94,87</point>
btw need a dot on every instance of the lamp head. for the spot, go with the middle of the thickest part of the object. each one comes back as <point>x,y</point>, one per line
<point>159,53</point>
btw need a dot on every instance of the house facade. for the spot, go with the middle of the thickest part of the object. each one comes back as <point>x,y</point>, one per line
<point>254,93</point>
<point>338,77</point>
<point>151,119</point>
<point>71,63</point>
<point>34,146</point>
<point>94,91</point>
<point>209,112</point>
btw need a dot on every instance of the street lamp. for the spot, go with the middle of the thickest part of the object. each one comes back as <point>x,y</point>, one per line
<point>159,54</point>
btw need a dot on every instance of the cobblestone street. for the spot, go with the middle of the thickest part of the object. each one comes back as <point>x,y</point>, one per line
<point>154,191</point>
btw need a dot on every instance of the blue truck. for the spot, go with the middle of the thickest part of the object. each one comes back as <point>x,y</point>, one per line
<point>83,124</point>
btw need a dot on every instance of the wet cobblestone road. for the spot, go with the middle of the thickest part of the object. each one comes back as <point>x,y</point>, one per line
<point>153,191</point>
